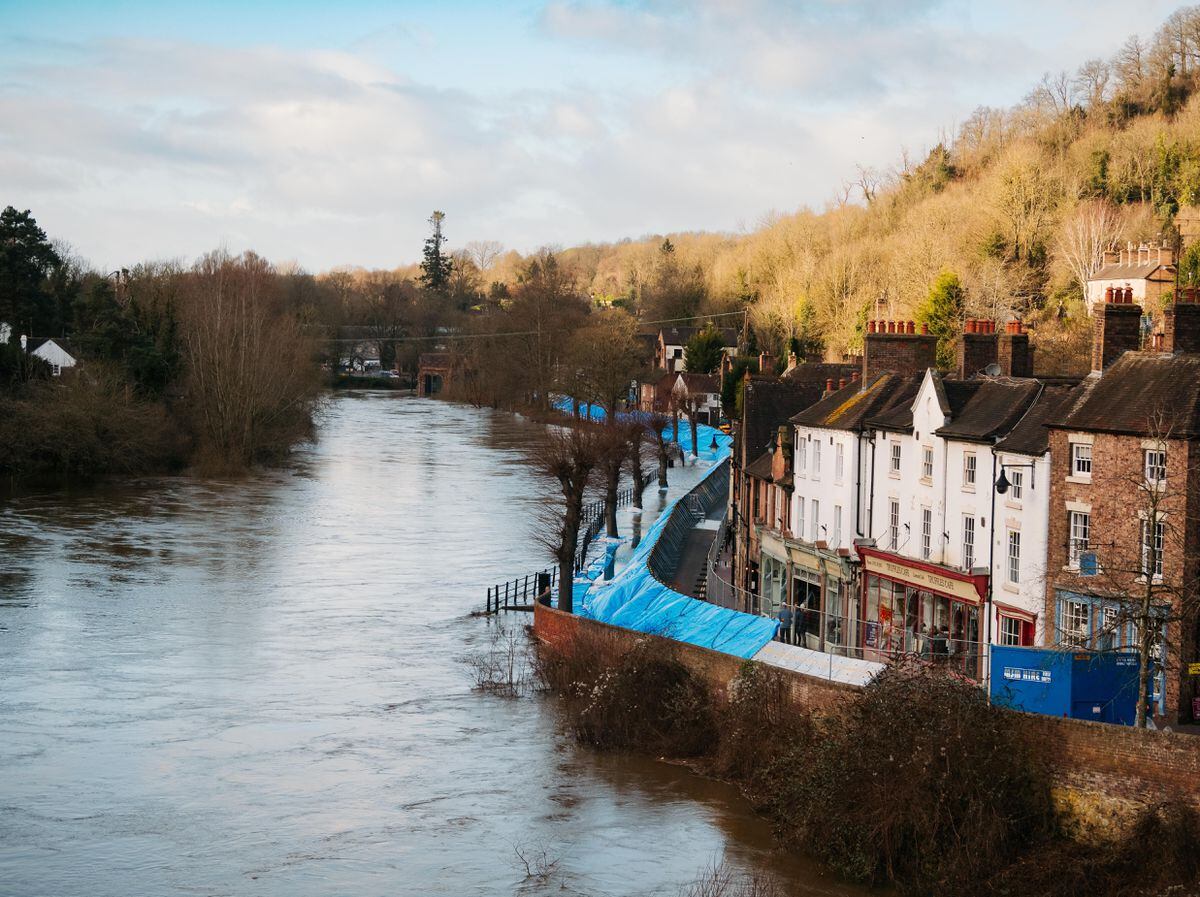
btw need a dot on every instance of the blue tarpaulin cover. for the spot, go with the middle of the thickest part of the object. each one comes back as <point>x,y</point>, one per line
<point>636,600</point>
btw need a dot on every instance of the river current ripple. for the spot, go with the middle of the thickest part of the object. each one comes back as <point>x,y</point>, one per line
<point>257,688</point>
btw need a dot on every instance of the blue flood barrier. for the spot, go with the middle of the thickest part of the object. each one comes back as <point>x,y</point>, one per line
<point>635,599</point>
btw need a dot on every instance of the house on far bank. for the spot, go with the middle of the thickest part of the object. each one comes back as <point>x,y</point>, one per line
<point>55,352</point>
<point>672,341</point>
<point>1148,270</point>
<point>702,389</point>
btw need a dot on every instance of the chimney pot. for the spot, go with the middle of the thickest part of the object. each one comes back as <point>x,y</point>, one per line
<point>870,326</point>
<point>911,327</point>
<point>1108,294</point>
<point>829,385</point>
<point>854,377</point>
<point>924,329</point>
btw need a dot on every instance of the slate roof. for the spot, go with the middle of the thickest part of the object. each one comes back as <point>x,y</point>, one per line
<point>1128,272</point>
<point>769,402</point>
<point>1132,389</point>
<point>678,336</point>
<point>1030,436</point>
<point>760,467</point>
<point>988,411</point>
<point>700,382</point>
<point>849,408</point>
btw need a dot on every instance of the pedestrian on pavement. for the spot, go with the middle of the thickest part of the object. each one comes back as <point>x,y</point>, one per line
<point>785,624</point>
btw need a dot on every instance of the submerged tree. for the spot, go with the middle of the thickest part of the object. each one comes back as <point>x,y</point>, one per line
<point>658,424</point>
<point>568,455</point>
<point>636,431</point>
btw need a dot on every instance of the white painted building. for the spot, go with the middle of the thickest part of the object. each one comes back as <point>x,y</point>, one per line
<point>56,353</point>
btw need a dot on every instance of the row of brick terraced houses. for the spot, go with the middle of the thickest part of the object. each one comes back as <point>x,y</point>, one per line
<point>895,508</point>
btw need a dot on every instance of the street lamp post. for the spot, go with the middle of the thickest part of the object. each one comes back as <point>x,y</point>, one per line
<point>1000,485</point>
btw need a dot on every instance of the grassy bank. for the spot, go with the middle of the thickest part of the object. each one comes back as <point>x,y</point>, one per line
<point>916,781</point>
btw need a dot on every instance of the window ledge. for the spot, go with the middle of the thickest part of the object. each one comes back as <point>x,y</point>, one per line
<point>1011,587</point>
<point>1082,480</point>
<point>968,487</point>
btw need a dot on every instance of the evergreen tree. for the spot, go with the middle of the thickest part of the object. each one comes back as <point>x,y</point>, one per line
<point>26,262</point>
<point>942,311</point>
<point>702,354</point>
<point>436,266</point>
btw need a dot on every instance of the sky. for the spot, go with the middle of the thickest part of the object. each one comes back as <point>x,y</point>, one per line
<point>326,134</point>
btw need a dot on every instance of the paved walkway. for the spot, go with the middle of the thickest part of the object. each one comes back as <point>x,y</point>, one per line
<point>694,557</point>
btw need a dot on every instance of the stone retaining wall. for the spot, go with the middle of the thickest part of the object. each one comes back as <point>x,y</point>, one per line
<point>1102,772</point>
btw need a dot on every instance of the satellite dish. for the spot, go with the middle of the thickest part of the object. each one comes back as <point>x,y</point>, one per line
<point>992,370</point>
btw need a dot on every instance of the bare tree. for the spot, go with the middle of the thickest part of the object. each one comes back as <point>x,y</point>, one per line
<point>1091,81</point>
<point>639,474</point>
<point>1094,227</point>
<point>484,253</point>
<point>658,424</point>
<point>1144,570</point>
<point>614,449</point>
<point>602,359</point>
<point>569,455</point>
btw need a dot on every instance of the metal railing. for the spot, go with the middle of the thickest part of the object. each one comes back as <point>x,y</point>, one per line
<point>519,593</point>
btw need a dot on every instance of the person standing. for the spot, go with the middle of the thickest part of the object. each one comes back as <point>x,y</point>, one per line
<point>785,624</point>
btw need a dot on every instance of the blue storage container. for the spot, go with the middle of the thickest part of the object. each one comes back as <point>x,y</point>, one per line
<point>1095,685</point>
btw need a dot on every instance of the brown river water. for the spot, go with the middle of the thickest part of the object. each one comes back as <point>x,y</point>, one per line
<point>257,688</point>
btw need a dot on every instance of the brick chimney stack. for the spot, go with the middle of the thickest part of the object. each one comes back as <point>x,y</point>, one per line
<point>1181,322</point>
<point>766,364</point>
<point>1117,327</point>
<point>976,347</point>
<point>1013,352</point>
<point>897,347</point>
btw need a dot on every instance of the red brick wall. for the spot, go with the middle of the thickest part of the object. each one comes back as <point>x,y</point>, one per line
<point>900,353</point>
<point>1112,766</point>
<point>1116,499</point>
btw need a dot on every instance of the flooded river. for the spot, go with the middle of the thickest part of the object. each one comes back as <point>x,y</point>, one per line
<point>257,688</point>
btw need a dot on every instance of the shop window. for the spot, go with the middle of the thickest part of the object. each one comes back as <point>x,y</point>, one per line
<point>969,470</point>
<point>1081,460</point>
<point>1079,529</point>
<point>1016,632</point>
<point>895,459</point>
<point>926,533</point>
<point>894,523</point>
<point>1014,556</point>
<point>968,542</point>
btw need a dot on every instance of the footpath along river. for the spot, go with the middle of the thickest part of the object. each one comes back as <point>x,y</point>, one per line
<point>257,688</point>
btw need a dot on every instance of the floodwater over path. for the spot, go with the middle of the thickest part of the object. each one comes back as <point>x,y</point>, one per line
<point>257,688</point>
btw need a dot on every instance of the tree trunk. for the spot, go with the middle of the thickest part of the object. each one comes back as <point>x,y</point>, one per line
<point>566,585</point>
<point>662,462</point>
<point>1145,644</point>
<point>693,413</point>
<point>639,486</point>
<point>612,480</point>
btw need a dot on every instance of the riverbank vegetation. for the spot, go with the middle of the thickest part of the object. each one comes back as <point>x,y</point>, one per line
<point>207,366</point>
<point>916,781</point>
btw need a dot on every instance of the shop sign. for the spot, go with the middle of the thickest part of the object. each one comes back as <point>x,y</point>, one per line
<point>964,591</point>
<point>1194,669</point>
<point>1020,674</point>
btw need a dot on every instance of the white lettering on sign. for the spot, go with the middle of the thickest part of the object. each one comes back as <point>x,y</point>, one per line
<point>1020,674</point>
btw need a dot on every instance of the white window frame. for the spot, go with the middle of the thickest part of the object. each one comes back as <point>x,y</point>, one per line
<point>839,462</point>
<point>968,541</point>
<point>802,456</point>
<point>1073,611</point>
<point>1016,488</point>
<point>1013,555</point>
<point>1007,636</point>
<point>837,526</point>
<point>926,533</point>
<point>816,520</point>
<point>1079,536</point>
<point>926,462</point>
<point>1160,539</point>
<point>816,459</point>
<point>1081,460</point>
<point>970,468</point>
<point>894,522</point>
<point>895,458</point>
<point>1154,465</point>
<point>800,516</point>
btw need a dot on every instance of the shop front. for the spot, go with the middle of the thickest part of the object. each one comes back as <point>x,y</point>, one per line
<point>817,585</point>
<point>921,609</point>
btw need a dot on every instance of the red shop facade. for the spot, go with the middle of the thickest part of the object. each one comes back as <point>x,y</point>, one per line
<point>922,609</point>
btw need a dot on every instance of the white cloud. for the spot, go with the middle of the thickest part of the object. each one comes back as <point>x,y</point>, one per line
<point>135,148</point>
